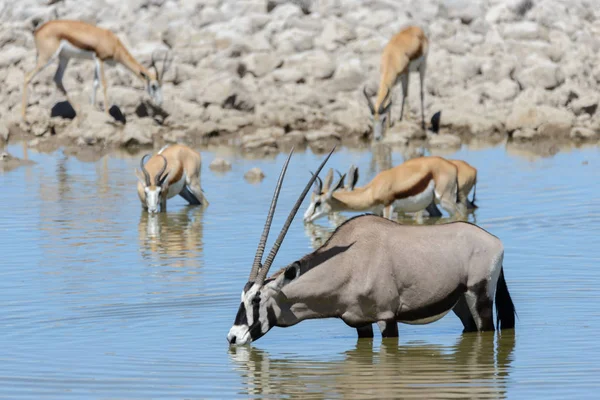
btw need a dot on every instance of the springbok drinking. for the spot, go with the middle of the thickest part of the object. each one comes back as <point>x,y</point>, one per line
<point>66,39</point>
<point>408,187</point>
<point>174,170</point>
<point>405,52</point>
<point>373,270</point>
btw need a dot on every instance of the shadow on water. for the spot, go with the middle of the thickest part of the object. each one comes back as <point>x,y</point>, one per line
<point>476,366</point>
<point>175,236</point>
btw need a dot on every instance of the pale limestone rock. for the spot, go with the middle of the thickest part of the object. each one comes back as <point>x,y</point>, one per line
<point>254,175</point>
<point>581,133</point>
<point>220,165</point>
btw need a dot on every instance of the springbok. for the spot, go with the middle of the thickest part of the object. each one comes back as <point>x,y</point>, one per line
<point>174,170</point>
<point>404,53</point>
<point>373,270</point>
<point>66,39</point>
<point>408,187</point>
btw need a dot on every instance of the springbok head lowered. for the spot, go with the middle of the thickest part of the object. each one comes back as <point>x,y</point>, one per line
<point>154,189</point>
<point>380,116</point>
<point>259,307</point>
<point>320,205</point>
<point>155,80</point>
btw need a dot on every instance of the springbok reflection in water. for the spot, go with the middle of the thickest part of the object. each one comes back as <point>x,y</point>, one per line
<point>477,366</point>
<point>175,237</point>
<point>318,234</point>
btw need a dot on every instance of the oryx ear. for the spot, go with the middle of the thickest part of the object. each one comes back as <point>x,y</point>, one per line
<point>291,272</point>
<point>339,184</point>
<point>140,176</point>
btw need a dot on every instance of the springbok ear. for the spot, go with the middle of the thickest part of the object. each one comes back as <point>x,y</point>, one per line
<point>328,180</point>
<point>352,177</point>
<point>140,176</point>
<point>339,184</point>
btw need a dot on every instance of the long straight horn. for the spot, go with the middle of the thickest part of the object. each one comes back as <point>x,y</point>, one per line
<point>164,168</point>
<point>369,102</point>
<point>146,174</point>
<point>263,239</point>
<point>262,274</point>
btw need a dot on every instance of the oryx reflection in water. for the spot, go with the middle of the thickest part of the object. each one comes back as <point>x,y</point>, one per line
<point>477,366</point>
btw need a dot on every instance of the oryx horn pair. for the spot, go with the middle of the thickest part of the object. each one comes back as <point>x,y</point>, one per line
<point>259,272</point>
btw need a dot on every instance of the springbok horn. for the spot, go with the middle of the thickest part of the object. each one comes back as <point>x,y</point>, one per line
<point>262,274</point>
<point>381,106</point>
<point>157,178</point>
<point>369,102</point>
<point>319,188</point>
<point>165,66</point>
<point>146,174</point>
<point>263,239</point>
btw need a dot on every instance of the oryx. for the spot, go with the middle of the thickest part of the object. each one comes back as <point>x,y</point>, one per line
<point>375,270</point>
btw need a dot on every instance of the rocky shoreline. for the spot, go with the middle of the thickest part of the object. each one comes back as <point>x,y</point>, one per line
<point>266,75</point>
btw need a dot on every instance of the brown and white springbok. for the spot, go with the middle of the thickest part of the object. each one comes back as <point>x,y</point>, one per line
<point>174,170</point>
<point>404,53</point>
<point>373,270</point>
<point>66,39</point>
<point>408,187</point>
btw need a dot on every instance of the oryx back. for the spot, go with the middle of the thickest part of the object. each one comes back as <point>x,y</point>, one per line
<point>373,269</point>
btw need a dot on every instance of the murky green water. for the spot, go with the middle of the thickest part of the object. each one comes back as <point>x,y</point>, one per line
<point>99,301</point>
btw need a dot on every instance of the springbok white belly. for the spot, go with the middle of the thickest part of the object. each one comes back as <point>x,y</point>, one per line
<point>417,202</point>
<point>69,50</point>
<point>176,187</point>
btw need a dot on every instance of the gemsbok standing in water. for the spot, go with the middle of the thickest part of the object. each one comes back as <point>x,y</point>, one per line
<point>174,170</point>
<point>373,270</point>
<point>67,39</point>
<point>405,52</point>
<point>408,187</point>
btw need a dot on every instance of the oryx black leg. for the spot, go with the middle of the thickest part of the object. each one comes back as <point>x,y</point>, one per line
<point>189,196</point>
<point>388,329</point>
<point>480,305</point>
<point>433,211</point>
<point>365,331</point>
<point>461,309</point>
